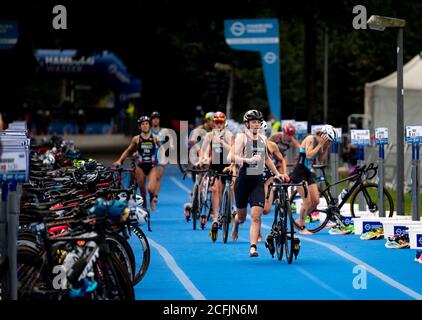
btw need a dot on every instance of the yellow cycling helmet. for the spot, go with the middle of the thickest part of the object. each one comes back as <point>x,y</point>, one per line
<point>209,116</point>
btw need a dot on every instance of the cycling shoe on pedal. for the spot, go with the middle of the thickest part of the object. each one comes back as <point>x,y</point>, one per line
<point>296,247</point>
<point>187,208</point>
<point>203,221</point>
<point>214,231</point>
<point>269,243</point>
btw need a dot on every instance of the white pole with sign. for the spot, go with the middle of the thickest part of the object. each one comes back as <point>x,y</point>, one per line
<point>361,138</point>
<point>414,137</point>
<point>381,139</point>
<point>334,160</point>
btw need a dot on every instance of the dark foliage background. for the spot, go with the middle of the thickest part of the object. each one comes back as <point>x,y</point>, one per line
<point>173,45</point>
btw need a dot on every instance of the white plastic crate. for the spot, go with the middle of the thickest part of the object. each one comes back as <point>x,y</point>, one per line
<point>368,222</point>
<point>399,225</point>
<point>415,237</point>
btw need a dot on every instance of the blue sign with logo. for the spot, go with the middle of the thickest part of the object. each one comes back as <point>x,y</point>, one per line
<point>371,225</point>
<point>419,240</point>
<point>261,35</point>
<point>399,230</point>
<point>347,221</point>
<point>8,34</point>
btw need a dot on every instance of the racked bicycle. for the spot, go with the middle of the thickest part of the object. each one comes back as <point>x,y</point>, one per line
<point>360,190</point>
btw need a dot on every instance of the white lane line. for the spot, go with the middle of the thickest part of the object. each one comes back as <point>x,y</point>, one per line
<point>180,275</point>
<point>321,283</point>
<point>369,268</point>
<point>345,255</point>
<point>309,276</point>
<point>180,185</point>
<point>313,278</point>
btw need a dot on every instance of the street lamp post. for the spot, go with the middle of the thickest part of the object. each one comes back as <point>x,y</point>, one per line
<point>227,68</point>
<point>380,23</point>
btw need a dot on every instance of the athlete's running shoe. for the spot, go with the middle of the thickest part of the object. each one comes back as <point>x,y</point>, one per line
<point>269,243</point>
<point>418,257</point>
<point>339,231</point>
<point>203,221</point>
<point>214,231</point>
<point>351,227</point>
<point>377,234</point>
<point>314,217</point>
<point>398,242</point>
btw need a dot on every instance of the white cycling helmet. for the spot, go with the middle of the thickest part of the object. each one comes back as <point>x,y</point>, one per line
<point>139,214</point>
<point>49,159</point>
<point>122,196</point>
<point>329,132</point>
<point>264,125</point>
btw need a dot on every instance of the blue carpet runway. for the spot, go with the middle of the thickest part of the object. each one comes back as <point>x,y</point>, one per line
<point>186,264</point>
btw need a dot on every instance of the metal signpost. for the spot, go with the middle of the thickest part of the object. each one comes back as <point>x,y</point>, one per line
<point>414,137</point>
<point>361,138</point>
<point>381,139</point>
<point>334,159</point>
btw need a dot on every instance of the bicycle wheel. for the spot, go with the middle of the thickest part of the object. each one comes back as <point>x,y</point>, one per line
<point>195,205</point>
<point>123,251</point>
<point>113,280</point>
<point>279,238</point>
<point>289,232</point>
<point>226,215</point>
<point>369,192</point>
<point>144,254</point>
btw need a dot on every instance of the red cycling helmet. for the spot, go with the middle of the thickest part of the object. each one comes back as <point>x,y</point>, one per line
<point>219,117</point>
<point>289,129</point>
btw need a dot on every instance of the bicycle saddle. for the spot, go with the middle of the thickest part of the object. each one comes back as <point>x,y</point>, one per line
<point>320,166</point>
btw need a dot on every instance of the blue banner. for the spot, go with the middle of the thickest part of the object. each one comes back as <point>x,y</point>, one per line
<point>261,35</point>
<point>8,34</point>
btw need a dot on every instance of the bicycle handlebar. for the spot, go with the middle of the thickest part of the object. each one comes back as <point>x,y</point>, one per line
<point>286,185</point>
<point>121,169</point>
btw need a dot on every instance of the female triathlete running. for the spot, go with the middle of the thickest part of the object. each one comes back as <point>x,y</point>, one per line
<point>312,146</point>
<point>147,145</point>
<point>215,149</point>
<point>251,152</point>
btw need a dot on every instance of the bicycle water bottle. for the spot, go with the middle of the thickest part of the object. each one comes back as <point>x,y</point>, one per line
<point>343,194</point>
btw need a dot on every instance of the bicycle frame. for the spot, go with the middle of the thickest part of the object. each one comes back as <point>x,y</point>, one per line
<point>356,178</point>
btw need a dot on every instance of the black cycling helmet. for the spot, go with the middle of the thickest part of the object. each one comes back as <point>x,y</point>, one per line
<point>143,119</point>
<point>155,114</point>
<point>253,115</point>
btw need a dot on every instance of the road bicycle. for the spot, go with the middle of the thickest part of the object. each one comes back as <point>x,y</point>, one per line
<point>282,230</point>
<point>330,209</point>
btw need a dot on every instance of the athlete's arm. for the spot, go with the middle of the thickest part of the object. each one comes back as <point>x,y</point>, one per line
<point>156,141</point>
<point>295,143</point>
<point>239,144</point>
<point>128,150</point>
<point>278,155</point>
<point>310,150</point>
<point>205,149</point>
<point>324,154</point>
<point>230,140</point>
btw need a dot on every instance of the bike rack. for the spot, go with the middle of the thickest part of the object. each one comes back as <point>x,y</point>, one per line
<point>415,181</point>
<point>381,139</point>
<point>15,144</point>
<point>361,162</point>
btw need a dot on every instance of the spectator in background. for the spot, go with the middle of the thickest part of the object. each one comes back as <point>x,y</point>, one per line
<point>2,124</point>
<point>81,121</point>
<point>274,125</point>
<point>350,159</point>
